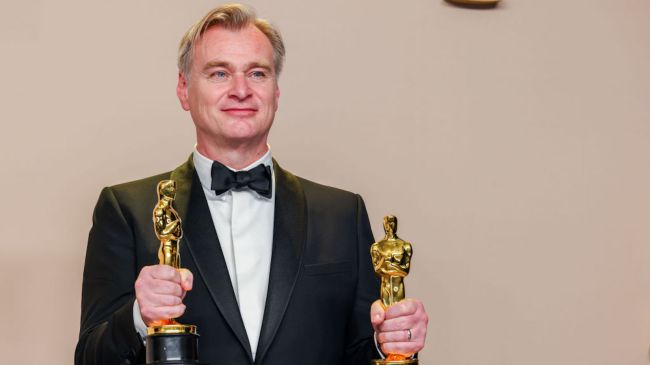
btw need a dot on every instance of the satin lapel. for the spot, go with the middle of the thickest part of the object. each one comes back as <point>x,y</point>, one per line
<point>289,237</point>
<point>202,242</point>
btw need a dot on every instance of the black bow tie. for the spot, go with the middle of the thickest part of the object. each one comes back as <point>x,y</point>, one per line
<point>257,179</point>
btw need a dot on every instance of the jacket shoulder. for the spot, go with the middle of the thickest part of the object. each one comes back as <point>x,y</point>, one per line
<point>132,199</point>
<point>321,189</point>
<point>323,198</point>
<point>138,188</point>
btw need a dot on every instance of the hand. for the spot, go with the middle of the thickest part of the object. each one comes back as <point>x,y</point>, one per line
<point>392,326</point>
<point>160,290</point>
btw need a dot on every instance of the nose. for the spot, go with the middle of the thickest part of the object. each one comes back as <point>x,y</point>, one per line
<point>240,88</point>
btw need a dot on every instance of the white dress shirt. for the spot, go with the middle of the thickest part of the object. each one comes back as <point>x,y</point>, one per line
<point>244,223</point>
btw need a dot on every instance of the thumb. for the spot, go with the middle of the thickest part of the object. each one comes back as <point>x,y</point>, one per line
<point>186,279</point>
<point>377,314</point>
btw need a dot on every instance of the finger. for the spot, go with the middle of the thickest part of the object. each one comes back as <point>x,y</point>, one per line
<point>377,314</point>
<point>148,289</point>
<point>166,272</point>
<point>410,313</point>
<point>146,273</point>
<point>157,313</point>
<point>187,279</point>
<point>151,301</point>
<point>166,288</point>
<point>404,308</point>
<point>417,334</point>
<point>397,324</point>
<point>174,311</point>
<point>394,336</point>
<point>165,301</point>
<point>152,315</point>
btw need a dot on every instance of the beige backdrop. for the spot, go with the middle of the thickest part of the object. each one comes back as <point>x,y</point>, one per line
<point>513,144</point>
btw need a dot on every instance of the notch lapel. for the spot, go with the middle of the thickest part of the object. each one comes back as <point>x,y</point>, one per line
<point>200,237</point>
<point>289,237</point>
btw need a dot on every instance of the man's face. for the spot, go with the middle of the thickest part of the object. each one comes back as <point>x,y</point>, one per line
<point>232,93</point>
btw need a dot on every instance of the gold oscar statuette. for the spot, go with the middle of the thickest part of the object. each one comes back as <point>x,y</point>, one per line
<point>391,259</point>
<point>169,342</point>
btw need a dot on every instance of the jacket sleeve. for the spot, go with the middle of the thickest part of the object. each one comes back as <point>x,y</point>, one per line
<point>360,335</point>
<point>107,334</point>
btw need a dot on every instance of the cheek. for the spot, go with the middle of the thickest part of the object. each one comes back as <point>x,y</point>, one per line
<point>276,97</point>
<point>204,95</point>
<point>268,95</point>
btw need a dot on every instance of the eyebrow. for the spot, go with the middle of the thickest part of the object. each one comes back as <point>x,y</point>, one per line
<point>228,65</point>
<point>213,64</point>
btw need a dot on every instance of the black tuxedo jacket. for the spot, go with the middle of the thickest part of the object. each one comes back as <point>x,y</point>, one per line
<point>320,289</point>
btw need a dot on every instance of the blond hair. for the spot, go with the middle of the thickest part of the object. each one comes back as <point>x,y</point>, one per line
<point>231,17</point>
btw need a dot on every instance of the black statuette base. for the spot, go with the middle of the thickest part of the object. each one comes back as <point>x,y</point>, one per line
<point>172,349</point>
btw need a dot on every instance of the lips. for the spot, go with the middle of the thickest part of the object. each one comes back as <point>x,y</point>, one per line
<point>240,111</point>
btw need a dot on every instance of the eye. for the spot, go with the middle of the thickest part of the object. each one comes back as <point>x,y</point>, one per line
<point>219,75</point>
<point>258,75</point>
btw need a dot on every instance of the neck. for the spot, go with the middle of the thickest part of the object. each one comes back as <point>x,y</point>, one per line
<point>235,156</point>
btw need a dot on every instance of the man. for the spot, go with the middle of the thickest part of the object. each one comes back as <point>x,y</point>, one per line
<point>277,268</point>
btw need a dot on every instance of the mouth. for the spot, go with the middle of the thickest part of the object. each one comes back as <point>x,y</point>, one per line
<point>240,112</point>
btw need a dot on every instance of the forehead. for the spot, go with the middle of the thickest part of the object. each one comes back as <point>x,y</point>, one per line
<point>248,44</point>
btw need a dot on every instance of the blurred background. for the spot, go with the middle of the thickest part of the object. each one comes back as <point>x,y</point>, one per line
<point>513,144</point>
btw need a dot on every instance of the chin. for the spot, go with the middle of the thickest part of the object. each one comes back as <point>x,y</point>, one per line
<point>241,133</point>
<point>243,130</point>
<point>241,136</point>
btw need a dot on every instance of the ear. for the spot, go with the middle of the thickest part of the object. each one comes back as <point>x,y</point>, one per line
<point>181,92</point>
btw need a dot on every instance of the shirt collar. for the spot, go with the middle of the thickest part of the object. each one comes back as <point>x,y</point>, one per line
<point>203,167</point>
